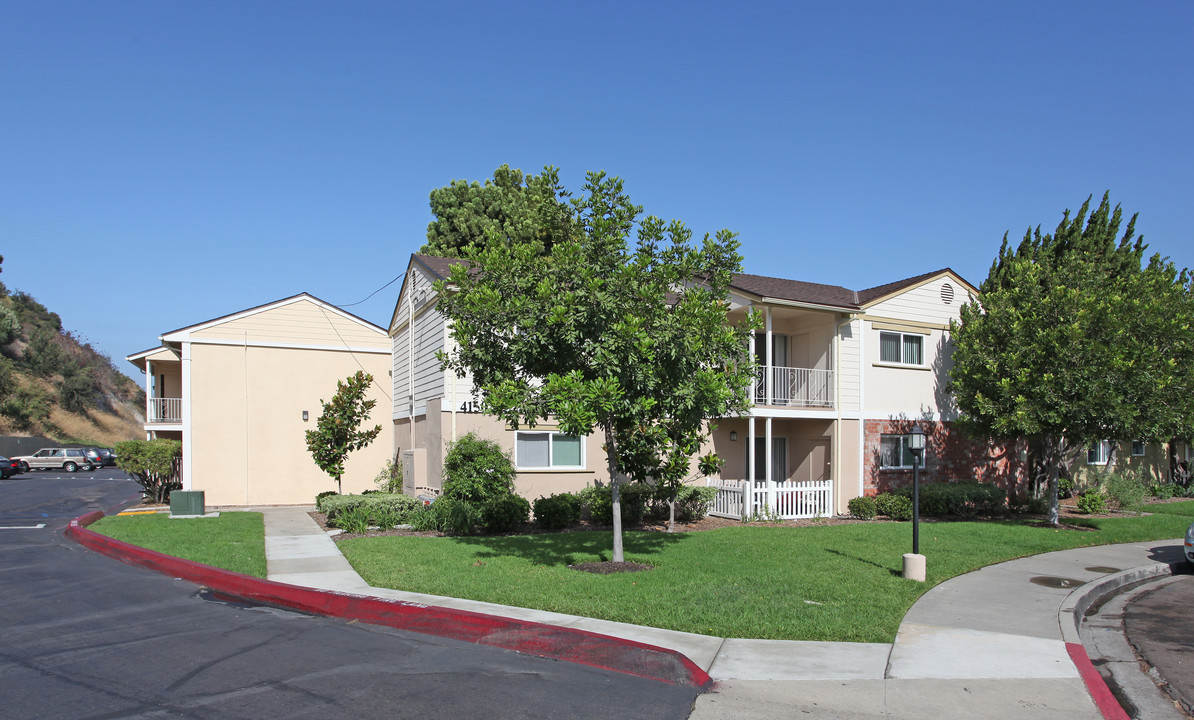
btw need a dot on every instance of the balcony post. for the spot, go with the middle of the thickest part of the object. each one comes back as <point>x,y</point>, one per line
<point>768,376</point>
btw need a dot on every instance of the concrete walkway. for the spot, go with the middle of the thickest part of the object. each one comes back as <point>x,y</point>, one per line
<point>988,644</point>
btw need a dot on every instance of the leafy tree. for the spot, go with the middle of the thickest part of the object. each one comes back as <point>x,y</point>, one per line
<point>1072,342</point>
<point>510,207</point>
<point>633,343</point>
<point>337,431</point>
<point>10,324</point>
<point>154,464</point>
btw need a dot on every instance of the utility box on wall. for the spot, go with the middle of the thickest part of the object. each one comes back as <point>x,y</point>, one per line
<point>187,502</point>
<point>414,470</point>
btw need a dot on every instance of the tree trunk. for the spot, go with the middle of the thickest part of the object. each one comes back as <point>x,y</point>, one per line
<point>1112,456</point>
<point>1053,460</point>
<point>615,486</point>
<point>671,514</point>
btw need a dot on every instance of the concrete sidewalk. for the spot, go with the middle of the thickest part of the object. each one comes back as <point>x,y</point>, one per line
<point>988,644</point>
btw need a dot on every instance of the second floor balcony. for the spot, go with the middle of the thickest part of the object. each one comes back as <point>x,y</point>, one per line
<point>793,387</point>
<point>163,410</point>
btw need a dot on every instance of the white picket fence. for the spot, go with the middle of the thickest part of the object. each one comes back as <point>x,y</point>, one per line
<point>788,500</point>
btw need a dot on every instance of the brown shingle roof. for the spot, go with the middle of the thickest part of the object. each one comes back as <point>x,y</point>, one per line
<point>765,287</point>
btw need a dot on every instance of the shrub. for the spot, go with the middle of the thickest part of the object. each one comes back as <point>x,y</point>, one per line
<point>1164,490</point>
<point>477,470</point>
<point>382,509</point>
<point>863,507</point>
<point>354,520</point>
<point>599,503</point>
<point>895,507</point>
<point>692,502</point>
<point>504,514</point>
<point>1125,491</point>
<point>319,499</point>
<point>1065,487</point>
<point>966,498</point>
<point>1092,502</point>
<point>389,479</point>
<point>557,511</point>
<point>447,516</point>
<point>154,464</point>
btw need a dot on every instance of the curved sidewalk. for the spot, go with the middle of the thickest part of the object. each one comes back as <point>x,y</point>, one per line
<point>1000,642</point>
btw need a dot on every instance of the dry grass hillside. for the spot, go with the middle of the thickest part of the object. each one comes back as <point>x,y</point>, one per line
<point>55,385</point>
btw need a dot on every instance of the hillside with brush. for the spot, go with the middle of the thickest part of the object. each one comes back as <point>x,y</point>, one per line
<point>52,383</point>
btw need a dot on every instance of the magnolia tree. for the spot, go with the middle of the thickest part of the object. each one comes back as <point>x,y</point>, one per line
<point>601,336</point>
<point>1073,341</point>
<point>337,432</point>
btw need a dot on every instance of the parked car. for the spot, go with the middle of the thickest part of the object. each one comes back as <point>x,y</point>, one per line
<point>6,470</point>
<point>13,463</point>
<point>100,457</point>
<point>68,459</point>
<point>1190,544</point>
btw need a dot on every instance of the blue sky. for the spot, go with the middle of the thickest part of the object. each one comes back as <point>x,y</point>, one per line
<point>188,160</point>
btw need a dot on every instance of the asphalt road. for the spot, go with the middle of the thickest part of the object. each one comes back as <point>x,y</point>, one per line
<point>85,636</point>
<point>1157,623</point>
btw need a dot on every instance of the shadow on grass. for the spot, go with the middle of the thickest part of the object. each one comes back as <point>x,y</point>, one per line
<point>895,573</point>
<point>570,548</point>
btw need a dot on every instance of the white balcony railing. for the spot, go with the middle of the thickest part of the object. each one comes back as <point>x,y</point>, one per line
<point>793,387</point>
<point>163,410</point>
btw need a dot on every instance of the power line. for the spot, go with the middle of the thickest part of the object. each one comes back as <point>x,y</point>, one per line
<point>383,287</point>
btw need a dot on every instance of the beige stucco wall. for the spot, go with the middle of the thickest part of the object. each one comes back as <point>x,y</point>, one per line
<point>1154,464</point>
<point>247,433</point>
<point>893,389</point>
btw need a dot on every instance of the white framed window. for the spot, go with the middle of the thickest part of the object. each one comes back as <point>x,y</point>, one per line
<point>1137,448</point>
<point>894,452</point>
<point>1098,453</point>
<point>901,348</point>
<point>547,450</point>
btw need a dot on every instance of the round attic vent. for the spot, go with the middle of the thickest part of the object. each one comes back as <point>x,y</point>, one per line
<point>947,293</point>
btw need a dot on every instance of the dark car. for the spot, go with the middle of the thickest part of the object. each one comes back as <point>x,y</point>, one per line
<point>7,468</point>
<point>17,466</point>
<point>101,457</point>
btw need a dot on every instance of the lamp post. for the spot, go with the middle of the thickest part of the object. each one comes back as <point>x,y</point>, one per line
<point>916,445</point>
<point>914,562</point>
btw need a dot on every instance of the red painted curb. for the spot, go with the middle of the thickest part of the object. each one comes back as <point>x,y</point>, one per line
<point>531,638</point>
<point>1095,684</point>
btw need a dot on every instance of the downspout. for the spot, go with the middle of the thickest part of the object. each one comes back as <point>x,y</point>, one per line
<point>861,406</point>
<point>248,416</point>
<point>410,356</point>
<point>451,383</point>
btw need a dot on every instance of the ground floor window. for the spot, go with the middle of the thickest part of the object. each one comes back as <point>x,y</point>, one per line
<point>894,452</point>
<point>779,458</point>
<point>554,450</point>
<point>1098,453</point>
<point>1137,448</point>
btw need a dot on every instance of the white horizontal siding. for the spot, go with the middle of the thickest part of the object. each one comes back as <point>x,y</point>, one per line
<point>923,304</point>
<point>850,365</point>
<point>429,339</point>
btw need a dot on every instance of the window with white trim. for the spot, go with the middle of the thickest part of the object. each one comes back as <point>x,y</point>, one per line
<point>1098,453</point>
<point>901,348</point>
<point>545,450</point>
<point>1137,448</point>
<point>894,452</point>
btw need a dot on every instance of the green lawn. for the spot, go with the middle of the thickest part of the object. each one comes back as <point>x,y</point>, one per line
<point>836,583</point>
<point>233,541</point>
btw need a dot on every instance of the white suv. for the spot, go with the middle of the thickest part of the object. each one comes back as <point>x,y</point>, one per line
<point>68,459</point>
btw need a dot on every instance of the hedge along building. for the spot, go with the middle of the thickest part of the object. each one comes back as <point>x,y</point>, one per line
<point>240,390</point>
<point>842,375</point>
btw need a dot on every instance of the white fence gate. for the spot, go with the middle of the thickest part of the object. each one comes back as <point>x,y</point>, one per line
<point>788,500</point>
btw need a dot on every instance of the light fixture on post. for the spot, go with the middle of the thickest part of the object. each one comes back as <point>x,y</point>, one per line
<point>733,436</point>
<point>914,563</point>
<point>304,416</point>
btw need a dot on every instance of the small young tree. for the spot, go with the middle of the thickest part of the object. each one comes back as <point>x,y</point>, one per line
<point>632,342</point>
<point>337,431</point>
<point>154,464</point>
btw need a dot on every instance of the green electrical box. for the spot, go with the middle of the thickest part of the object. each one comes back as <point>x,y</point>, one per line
<point>188,502</point>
